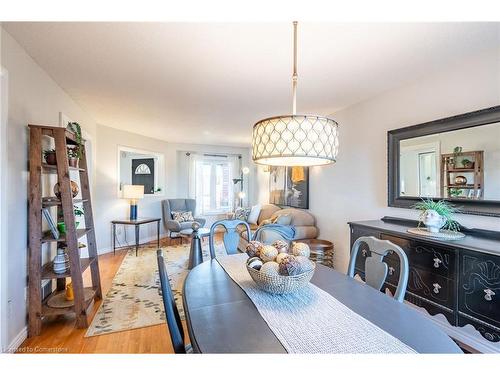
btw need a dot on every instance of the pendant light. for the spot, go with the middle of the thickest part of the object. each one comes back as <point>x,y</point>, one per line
<point>295,140</point>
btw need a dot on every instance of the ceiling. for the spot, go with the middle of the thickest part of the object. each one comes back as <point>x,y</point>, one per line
<point>209,82</point>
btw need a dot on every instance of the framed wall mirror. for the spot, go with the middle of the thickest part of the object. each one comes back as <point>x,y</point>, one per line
<point>455,158</point>
<point>141,167</point>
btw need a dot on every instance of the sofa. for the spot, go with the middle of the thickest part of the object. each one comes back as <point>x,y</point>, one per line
<point>172,226</point>
<point>303,222</point>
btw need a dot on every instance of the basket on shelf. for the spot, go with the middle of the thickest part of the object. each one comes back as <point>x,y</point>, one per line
<point>279,284</point>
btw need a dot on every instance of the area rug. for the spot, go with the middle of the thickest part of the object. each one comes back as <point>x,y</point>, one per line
<point>133,300</point>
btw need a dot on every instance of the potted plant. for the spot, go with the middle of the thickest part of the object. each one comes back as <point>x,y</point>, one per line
<point>457,151</point>
<point>61,225</point>
<point>75,128</point>
<point>437,215</point>
<point>467,164</point>
<point>455,193</point>
<point>50,156</point>
<point>78,213</point>
<point>73,157</point>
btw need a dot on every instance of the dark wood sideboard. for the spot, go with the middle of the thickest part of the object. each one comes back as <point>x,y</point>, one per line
<point>455,283</point>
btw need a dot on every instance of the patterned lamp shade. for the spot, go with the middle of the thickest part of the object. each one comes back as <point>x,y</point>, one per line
<point>295,140</point>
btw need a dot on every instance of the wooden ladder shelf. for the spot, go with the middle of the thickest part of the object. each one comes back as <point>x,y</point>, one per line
<point>38,308</point>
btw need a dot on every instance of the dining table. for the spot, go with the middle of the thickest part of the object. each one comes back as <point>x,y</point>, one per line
<point>221,318</point>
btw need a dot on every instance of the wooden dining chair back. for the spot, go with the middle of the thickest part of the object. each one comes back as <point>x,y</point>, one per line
<point>376,269</point>
<point>171,313</point>
<point>231,237</point>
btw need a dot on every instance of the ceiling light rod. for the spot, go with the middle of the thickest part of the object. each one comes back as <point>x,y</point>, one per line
<point>294,76</point>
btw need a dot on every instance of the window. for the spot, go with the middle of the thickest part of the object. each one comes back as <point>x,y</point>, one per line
<point>214,190</point>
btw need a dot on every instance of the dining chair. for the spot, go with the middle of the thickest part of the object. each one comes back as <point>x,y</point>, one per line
<point>171,313</point>
<point>376,268</point>
<point>231,236</point>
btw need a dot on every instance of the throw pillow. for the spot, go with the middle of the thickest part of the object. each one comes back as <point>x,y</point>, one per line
<point>182,216</point>
<point>283,219</point>
<point>254,214</point>
<point>242,213</point>
<point>265,222</point>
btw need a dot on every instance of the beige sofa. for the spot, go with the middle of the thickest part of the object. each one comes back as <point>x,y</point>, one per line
<point>303,222</point>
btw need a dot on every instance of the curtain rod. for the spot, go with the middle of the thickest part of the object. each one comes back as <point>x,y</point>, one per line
<point>215,155</point>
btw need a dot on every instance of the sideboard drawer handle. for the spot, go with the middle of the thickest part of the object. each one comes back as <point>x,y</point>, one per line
<point>391,270</point>
<point>488,294</point>
<point>437,262</point>
<point>436,287</point>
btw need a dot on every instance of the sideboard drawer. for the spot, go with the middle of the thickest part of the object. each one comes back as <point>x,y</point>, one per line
<point>364,252</point>
<point>434,259</point>
<point>479,288</point>
<point>431,286</point>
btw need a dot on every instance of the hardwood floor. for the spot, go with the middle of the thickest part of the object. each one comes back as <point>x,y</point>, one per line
<point>59,334</point>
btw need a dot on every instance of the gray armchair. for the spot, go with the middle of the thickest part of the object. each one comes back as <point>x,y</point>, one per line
<point>173,226</point>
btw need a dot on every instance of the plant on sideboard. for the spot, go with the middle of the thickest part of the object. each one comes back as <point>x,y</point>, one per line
<point>437,214</point>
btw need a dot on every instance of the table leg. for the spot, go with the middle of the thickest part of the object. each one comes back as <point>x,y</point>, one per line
<point>158,232</point>
<point>136,239</point>
<point>114,238</point>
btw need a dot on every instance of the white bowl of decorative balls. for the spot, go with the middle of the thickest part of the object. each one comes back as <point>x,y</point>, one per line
<point>278,269</point>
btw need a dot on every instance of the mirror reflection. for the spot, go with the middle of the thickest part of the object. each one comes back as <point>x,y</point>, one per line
<point>460,164</point>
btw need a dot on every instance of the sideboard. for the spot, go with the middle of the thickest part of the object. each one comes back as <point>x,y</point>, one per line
<point>455,283</point>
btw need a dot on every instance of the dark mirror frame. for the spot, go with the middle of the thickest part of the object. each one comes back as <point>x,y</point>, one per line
<point>463,121</point>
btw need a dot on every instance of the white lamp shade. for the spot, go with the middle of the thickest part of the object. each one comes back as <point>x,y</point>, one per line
<point>133,191</point>
<point>295,140</point>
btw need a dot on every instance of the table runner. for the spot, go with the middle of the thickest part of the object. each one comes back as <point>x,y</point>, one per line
<point>312,320</point>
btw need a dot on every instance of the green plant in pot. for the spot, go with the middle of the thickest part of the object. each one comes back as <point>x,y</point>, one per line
<point>437,215</point>
<point>455,192</point>
<point>75,128</point>
<point>72,157</point>
<point>78,214</point>
<point>457,151</point>
<point>50,156</point>
<point>466,163</point>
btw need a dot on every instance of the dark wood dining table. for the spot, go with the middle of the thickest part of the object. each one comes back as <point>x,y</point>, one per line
<point>222,319</point>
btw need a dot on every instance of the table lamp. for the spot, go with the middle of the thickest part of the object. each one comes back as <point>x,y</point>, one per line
<point>133,192</point>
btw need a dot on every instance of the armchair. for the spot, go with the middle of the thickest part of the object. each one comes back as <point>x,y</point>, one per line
<point>172,226</point>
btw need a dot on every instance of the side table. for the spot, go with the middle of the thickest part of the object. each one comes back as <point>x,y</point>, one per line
<point>136,223</point>
<point>321,251</point>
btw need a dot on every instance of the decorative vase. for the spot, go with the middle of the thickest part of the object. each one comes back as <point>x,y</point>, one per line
<point>61,261</point>
<point>433,221</point>
<point>460,180</point>
<point>50,158</point>
<point>61,227</point>
<point>70,296</point>
<point>73,162</point>
<point>74,189</point>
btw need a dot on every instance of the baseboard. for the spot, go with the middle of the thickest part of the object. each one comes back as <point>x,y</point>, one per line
<point>18,340</point>
<point>143,241</point>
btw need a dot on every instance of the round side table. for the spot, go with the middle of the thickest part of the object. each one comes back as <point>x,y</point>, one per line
<point>321,251</point>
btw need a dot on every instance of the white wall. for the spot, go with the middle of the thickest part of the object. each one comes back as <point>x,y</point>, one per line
<point>33,97</point>
<point>109,206</point>
<point>356,187</point>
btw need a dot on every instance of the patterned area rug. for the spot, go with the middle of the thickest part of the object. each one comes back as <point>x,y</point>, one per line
<point>133,300</point>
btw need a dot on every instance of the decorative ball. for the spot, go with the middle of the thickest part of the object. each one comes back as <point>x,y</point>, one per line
<point>254,248</point>
<point>74,189</point>
<point>270,268</point>
<point>460,180</point>
<point>301,249</point>
<point>255,263</point>
<point>281,246</point>
<point>268,253</point>
<point>305,264</point>
<point>289,266</point>
<point>281,256</point>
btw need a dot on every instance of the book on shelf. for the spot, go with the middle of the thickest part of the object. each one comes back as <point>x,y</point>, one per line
<point>50,221</point>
